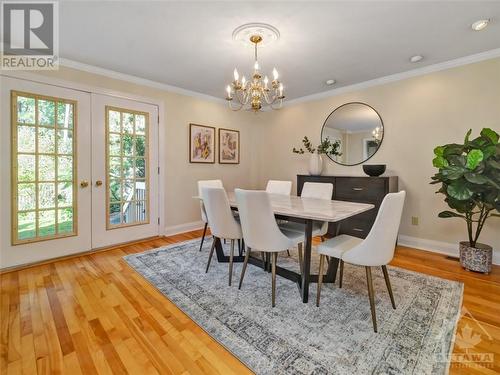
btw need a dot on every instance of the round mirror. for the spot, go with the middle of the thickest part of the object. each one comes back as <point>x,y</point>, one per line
<point>359,130</point>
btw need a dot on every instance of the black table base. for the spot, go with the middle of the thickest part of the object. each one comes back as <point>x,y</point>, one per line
<point>302,282</point>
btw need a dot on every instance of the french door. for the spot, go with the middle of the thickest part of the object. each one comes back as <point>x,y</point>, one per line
<point>125,169</point>
<point>79,171</point>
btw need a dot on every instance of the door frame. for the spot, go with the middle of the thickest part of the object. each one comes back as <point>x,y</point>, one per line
<point>162,154</point>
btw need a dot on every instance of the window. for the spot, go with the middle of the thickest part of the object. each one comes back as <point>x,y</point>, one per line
<point>43,168</point>
<point>127,190</point>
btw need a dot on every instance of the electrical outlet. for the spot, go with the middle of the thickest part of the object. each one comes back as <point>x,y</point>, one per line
<point>414,220</point>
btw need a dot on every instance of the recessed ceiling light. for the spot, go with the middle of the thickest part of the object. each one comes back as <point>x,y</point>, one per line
<point>416,58</point>
<point>480,25</point>
<point>330,82</point>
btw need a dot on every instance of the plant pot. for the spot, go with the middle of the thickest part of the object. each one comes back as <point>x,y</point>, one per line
<point>476,258</point>
<point>315,165</point>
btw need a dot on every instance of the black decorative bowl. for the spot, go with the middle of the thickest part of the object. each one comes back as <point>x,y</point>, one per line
<point>374,170</point>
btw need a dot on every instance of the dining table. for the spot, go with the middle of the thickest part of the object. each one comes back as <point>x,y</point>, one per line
<point>306,211</point>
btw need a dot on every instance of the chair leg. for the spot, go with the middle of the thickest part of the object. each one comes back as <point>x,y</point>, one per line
<point>247,255</point>
<point>288,252</point>
<point>275,260</point>
<point>300,257</point>
<point>371,295</point>
<point>263,260</point>
<point>389,288</point>
<point>211,253</point>
<point>320,278</point>
<point>341,273</point>
<point>239,248</point>
<point>203,237</point>
<point>231,256</point>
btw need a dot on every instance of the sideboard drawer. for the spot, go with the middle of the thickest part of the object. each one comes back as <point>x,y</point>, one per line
<point>360,189</point>
<point>359,225</point>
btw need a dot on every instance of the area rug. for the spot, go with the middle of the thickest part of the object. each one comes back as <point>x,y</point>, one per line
<point>298,338</point>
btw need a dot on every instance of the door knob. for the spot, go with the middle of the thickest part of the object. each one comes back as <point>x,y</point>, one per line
<point>84,183</point>
<point>98,183</point>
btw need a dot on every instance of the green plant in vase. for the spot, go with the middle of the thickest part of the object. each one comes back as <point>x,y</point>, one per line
<point>326,147</point>
<point>469,175</point>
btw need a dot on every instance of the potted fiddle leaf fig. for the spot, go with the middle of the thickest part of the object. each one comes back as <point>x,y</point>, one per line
<point>326,147</point>
<point>469,175</point>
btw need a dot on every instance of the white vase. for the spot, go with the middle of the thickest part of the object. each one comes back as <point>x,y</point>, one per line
<point>315,164</point>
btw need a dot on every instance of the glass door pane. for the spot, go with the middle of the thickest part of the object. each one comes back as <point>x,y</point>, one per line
<point>127,190</point>
<point>43,168</point>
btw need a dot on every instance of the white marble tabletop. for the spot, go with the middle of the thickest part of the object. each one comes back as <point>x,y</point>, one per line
<point>311,208</point>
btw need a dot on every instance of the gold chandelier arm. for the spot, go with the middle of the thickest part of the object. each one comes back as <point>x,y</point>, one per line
<point>279,106</point>
<point>266,98</point>
<point>237,108</point>
<point>242,97</point>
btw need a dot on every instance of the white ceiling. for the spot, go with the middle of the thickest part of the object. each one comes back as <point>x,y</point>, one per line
<point>189,44</point>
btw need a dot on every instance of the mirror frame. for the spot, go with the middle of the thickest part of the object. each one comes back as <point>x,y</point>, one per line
<point>381,140</point>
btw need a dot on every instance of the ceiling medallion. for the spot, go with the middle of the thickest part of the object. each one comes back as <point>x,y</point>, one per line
<point>254,93</point>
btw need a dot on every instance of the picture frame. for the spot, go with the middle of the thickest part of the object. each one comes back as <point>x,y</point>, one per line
<point>201,144</point>
<point>229,146</point>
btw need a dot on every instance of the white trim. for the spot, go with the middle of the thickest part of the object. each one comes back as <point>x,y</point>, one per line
<point>137,80</point>
<point>183,228</point>
<point>47,80</point>
<point>491,54</point>
<point>439,247</point>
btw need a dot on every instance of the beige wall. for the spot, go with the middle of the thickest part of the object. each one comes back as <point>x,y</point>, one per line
<point>418,114</point>
<point>180,110</point>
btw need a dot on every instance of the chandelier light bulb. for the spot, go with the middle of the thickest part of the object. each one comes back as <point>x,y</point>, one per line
<point>243,81</point>
<point>256,65</point>
<point>236,75</point>
<point>228,89</point>
<point>281,89</point>
<point>266,80</point>
<point>275,74</point>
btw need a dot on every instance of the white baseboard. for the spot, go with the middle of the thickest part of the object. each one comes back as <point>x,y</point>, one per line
<point>181,228</point>
<point>439,247</point>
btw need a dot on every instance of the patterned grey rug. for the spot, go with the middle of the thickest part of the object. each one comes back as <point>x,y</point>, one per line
<point>298,338</point>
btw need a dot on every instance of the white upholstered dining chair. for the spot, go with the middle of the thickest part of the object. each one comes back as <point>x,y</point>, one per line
<point>316,190</point>
<point>279,187</point>
<point>201,184</point>
<point>376,250</point>
<point>260,230</point>
<point>222,223</point>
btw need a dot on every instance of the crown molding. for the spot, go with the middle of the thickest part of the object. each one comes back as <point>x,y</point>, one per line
<point>137,80</point>
<point>487,55</point>
<point>466,60</point>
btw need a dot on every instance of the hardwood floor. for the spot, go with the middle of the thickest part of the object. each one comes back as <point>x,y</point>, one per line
<point>94,314</point>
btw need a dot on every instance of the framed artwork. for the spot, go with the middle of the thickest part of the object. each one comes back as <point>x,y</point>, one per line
<point>229,146</point>
<point>201,144</point>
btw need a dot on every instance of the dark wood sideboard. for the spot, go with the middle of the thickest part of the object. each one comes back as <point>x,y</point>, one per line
<point>363,189</point>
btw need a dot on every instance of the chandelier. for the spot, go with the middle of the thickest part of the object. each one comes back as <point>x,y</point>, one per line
<point>256,92</point>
